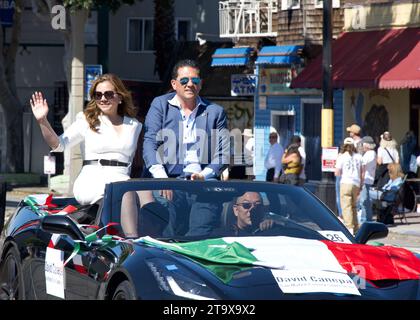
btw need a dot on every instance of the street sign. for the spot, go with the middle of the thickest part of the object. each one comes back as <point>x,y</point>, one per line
<point>7,9</point>
<point>329,158</point>
<point>243,84</point>
<point>92,72</point>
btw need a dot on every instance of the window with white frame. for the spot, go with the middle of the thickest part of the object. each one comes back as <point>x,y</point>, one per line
<point>183,29</point>
<point>319,3</point>
<point>290,4</point>
<point>140,35</point>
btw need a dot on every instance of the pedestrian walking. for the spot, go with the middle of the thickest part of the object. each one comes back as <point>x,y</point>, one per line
<point>272,160</point>
<point>368,178</point>
<point>387,153</point>
<point>298,141</point>
<point>355,133</point>
<point>337,185</point>
<point>292,165</point>
<point>349,167</point>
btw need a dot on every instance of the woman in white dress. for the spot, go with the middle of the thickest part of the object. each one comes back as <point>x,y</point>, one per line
<point>107,131</point>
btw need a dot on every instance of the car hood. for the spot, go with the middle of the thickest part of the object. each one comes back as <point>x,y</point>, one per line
<point>299,257</point>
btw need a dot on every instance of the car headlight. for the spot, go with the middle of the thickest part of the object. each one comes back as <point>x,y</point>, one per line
<point>176,279</point>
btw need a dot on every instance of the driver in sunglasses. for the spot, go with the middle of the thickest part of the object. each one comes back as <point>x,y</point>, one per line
<point>249,212</point>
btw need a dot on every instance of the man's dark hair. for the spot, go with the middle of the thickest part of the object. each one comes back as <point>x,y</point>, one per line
<point>184,63</point>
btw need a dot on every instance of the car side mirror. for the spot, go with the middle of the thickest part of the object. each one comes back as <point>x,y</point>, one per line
<point>371,230</point>
<point>61,225</point>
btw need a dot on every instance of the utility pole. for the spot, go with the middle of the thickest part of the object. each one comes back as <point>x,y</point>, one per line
<point>326,189</point>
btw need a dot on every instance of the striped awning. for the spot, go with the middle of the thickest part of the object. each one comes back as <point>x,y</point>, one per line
<point>231,56</point>
<point>279,55</point>
<point>381,59</point>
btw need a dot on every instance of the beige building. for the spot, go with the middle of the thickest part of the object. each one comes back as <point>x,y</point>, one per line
<point>376,64</point>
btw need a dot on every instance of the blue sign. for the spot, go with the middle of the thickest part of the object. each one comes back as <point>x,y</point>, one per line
<point>92,71</point>
<point>242,84</point>
<point>7,9</point>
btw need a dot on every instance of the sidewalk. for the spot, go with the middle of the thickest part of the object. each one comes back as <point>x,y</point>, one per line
<point>401,231</point>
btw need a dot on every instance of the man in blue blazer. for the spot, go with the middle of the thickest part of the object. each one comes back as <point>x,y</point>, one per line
<point>186,136</point>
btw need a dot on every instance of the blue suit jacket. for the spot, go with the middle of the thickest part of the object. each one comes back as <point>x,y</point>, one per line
<point>163,129</point>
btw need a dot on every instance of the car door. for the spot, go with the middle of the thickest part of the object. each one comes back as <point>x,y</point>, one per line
<point>75,270</point>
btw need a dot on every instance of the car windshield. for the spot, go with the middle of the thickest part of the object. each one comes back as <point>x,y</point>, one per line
<point>190,210</point>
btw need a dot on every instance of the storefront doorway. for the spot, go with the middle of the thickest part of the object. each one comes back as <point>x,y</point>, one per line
<point>414,111</point>
<point>311,130</point>
<point>284,123</point>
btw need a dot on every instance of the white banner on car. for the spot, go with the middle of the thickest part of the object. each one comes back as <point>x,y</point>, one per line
<point>54,272</point>
<point>304,281</point>
<point>290,253</point>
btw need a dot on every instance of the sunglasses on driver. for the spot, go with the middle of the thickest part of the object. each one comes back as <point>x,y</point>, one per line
<point>249,205</point>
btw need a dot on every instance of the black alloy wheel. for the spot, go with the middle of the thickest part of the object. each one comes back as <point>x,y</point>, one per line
<point>11,288</point>
<point>124,291</point>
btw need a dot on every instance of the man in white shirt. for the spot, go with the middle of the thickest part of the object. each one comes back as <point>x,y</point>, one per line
<point>180,130</point>
<point>273,159</point>
<point>368,176</point>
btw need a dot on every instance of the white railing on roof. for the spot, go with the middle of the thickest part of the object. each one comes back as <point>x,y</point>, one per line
<point>247,18</point>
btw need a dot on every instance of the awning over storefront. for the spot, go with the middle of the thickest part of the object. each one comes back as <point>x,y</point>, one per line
<point>279,55</point>
<point>383,59</point>
<point>231,56</point>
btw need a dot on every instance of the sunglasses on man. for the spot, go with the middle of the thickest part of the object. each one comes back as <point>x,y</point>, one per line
<point>249,205</point>
<point>97,95</point>
<point>184,81</point>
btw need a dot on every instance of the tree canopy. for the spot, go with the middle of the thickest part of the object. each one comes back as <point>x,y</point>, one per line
<point>113,5</point>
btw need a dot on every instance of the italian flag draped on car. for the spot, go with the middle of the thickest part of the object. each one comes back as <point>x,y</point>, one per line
<point>287,253</point>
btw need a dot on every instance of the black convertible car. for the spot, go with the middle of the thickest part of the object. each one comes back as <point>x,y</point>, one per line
<point>173,239</point>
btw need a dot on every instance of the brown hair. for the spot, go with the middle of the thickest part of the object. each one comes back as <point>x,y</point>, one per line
<point>395,171</point>
<point>126,108</point>
<point>350,148</point>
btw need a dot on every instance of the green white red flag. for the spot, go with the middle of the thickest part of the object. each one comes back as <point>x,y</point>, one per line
<point>287,253</point>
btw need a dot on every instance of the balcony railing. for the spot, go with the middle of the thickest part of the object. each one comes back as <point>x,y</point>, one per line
<point>251,18</point>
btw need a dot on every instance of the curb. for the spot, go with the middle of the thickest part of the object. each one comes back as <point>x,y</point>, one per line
<point>25,192</point>
<point>412,236</point>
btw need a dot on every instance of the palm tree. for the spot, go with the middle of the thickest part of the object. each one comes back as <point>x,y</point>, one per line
<point>10,105</point>
<point>164,38</point>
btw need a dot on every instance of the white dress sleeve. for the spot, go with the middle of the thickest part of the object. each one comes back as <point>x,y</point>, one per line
<point>74,134</point>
